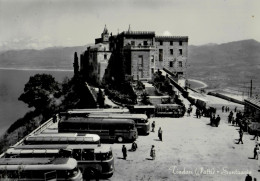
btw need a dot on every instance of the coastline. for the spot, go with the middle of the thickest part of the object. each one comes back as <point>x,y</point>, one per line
<point>36,69</point>
<point>203,84</point>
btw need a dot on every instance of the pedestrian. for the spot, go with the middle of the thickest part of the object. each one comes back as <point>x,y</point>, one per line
<point>134,146</point>
<point>213,120</point>
<point>223,108</point>
<point>226,109</point>
<point>160,133</point>
<point>256,135</point>
<point>256,150</point>
<point>153,126</point>
<point>240,136</point>
<point>235,110</point>
<point>217,120</point>
<point>197,113</point>
<point>248,178</point>
<point>152,152</point>
<point>124,151</point>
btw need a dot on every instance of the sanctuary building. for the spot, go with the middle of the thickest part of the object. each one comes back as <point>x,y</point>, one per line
<point>142,53</point>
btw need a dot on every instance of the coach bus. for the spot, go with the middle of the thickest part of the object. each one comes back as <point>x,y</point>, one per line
<point>171,110</point>
<point>141,120</point>
<point>42,169</point>
<point>109,129</point>
<point>93,160</point>
<point>66,138</point>
<point>143,109</point>
<point>83,112</point>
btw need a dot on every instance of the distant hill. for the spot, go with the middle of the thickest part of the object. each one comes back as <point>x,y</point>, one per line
<point>50,58</point>
<point>219,65</point>
<point>229,65</point>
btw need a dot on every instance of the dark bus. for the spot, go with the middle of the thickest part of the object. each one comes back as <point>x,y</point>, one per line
<point>110,129</point>
<point>141,121</point>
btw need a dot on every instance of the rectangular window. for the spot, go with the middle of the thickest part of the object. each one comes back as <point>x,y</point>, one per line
<point>180,51</point>
<point>152,58</point>
<point>171,42</point>
<point>171,51</point>
<point>105,56</point>
<point>180,64</point>
<point>140,61</point>
<point>180,43</point>
<point>145,43</point>
<point>171,63</point>
<point>161,42</point>
<point>152,70</point>
<point>160,54</point>
<point>133,43</point>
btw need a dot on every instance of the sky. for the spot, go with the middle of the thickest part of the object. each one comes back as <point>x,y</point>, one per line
<point>39,24</point>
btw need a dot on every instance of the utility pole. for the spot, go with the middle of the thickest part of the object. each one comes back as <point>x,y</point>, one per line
<point>251,88</point>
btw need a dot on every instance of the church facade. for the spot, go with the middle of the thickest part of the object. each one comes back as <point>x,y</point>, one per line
<point>142,51</point>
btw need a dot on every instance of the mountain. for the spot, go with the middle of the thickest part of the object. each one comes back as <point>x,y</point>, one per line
<point>51,58</point>
<point>219,65</point>
<point>231,64</point>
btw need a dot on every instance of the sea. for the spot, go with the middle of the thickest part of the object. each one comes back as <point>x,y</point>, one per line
<point>12,83</point>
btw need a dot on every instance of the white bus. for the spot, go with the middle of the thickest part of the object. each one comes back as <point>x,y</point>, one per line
<point>93,160</point>
<point>42,169</point>
<point>66,138</point>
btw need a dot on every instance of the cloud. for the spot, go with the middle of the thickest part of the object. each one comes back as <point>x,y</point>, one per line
<point>167,33</point>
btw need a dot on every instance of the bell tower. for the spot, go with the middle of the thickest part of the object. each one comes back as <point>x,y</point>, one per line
<point>105,35</point>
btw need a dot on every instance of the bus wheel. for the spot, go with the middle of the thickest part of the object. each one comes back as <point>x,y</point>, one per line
<point>120,139</point>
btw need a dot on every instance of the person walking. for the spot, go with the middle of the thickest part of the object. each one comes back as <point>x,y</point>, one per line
<point>152,152</point>
<point>153,126</point>
<point>217,121</point>
<point>124,152</point>
<point>240,136</point>
<point>160,133</point>
<point>256,135</point>
<point>256,150</point>
<point>197,113</point>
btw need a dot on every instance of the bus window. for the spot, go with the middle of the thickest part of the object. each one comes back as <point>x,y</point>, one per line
<point>88,154</point>
<point>101,156</point>
<point>77,154</point>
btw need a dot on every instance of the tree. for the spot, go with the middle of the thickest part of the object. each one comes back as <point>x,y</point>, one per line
<point>42,93</point>
<point>145,99</point>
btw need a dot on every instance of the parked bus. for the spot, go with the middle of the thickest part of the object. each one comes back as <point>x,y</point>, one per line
<point>85,112</point>
<point>26,169</point>
<point>141,120</point>
<point>171,110</point>
<point>108,129</point>
<point>143,109</point>
<point>66,138</point>
<point>93,160</point>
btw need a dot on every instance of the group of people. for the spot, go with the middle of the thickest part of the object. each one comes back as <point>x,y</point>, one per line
<point>214,121</point>
<point>124,150</point>
<point>134,144</point>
